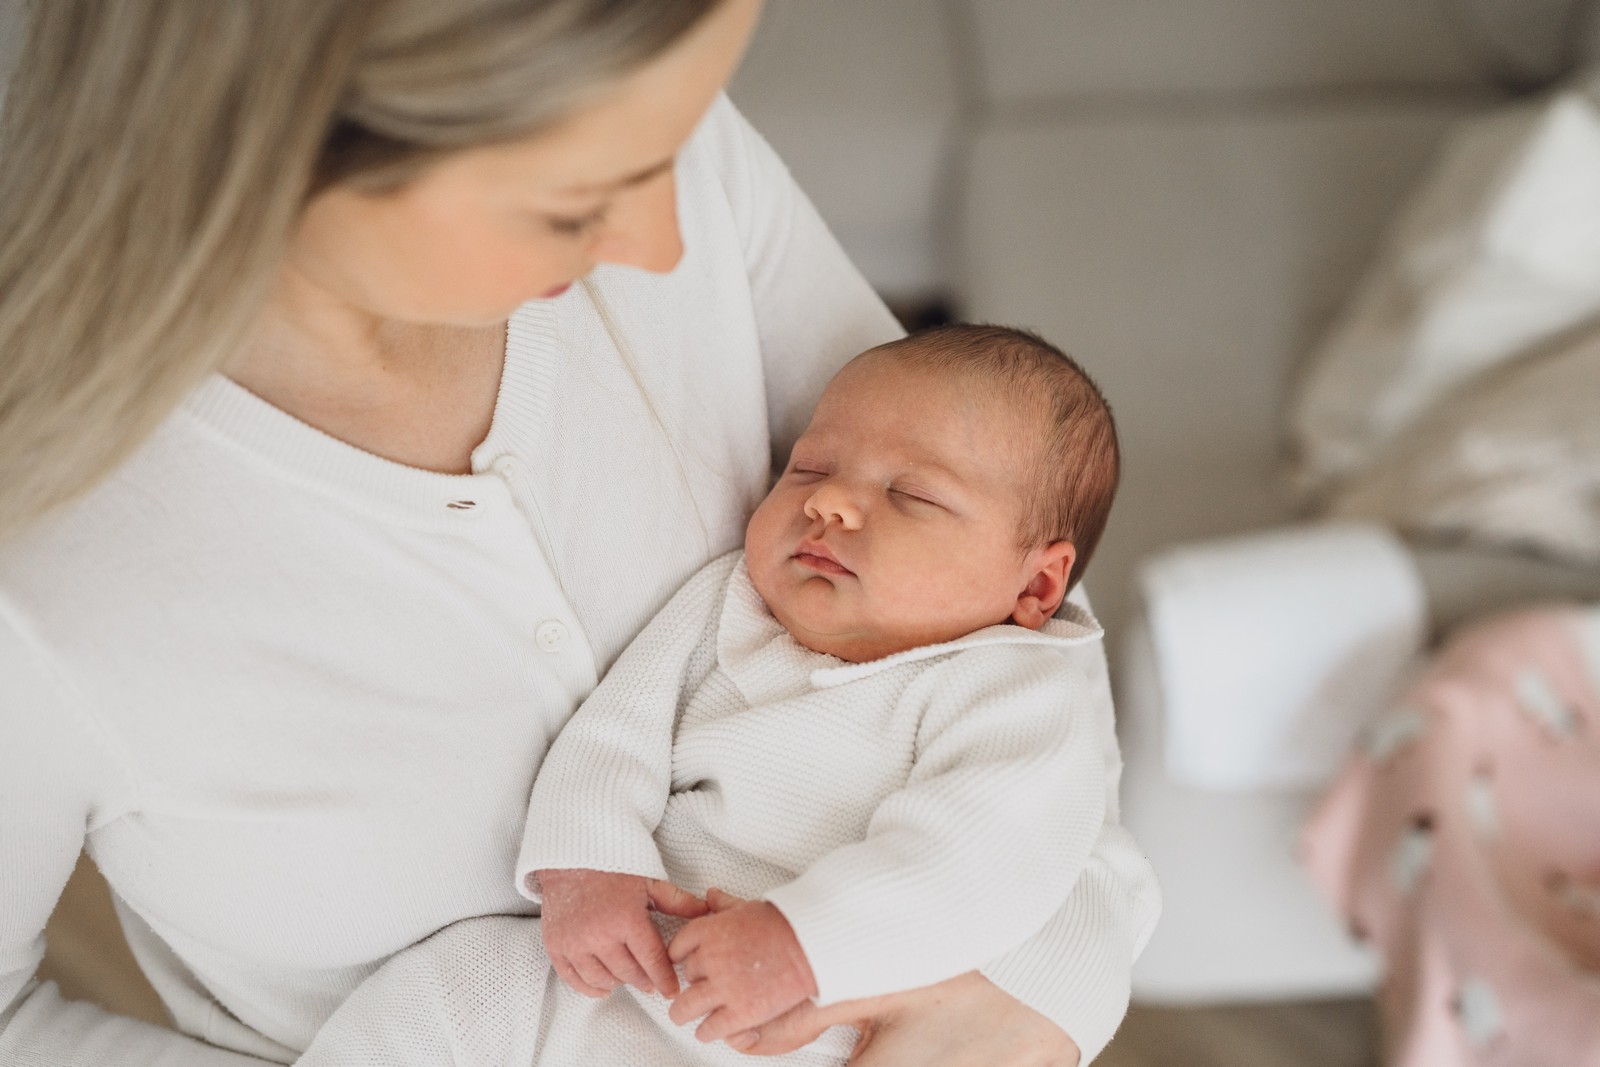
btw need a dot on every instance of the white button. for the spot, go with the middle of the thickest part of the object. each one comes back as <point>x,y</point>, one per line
<point>550,635</point>
<point>506,466</point>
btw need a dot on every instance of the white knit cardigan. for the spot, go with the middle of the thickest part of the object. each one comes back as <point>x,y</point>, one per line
<point>291,696</point>
<point>913,817</point>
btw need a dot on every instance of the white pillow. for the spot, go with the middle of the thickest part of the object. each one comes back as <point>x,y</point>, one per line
<point>1498,252</point>
<point>1512,461</point>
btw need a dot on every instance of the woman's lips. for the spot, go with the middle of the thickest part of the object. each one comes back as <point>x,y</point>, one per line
<point>815,554</point>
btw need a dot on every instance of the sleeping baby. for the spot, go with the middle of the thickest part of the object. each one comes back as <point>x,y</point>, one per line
<point>851,760</point>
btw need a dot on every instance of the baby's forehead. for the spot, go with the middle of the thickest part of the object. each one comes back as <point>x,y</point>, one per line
<point>894,407</point>
<point>904,380</point>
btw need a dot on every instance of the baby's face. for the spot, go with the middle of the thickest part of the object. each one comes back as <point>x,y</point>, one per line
<point>896,521</point>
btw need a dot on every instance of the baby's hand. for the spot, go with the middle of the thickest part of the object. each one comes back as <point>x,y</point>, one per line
<point>744,966</point>
<point>598,933</point>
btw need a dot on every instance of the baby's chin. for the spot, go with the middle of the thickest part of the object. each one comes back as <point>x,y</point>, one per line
<point>810,612</point>
<point>833,634</point>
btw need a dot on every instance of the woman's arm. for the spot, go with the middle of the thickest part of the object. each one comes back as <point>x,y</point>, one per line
<point>814,311</point>
<point>57,782</point>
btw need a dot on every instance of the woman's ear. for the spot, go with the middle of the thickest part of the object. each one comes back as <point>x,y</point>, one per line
<point>1049,568</point>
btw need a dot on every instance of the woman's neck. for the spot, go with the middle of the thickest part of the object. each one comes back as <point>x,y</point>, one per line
<point>418,394</point>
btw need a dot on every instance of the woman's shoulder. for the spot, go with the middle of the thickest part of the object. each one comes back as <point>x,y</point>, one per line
<point>109,563</point>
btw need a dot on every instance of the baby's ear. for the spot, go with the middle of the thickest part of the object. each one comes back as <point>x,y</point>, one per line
<point>1049,566</point>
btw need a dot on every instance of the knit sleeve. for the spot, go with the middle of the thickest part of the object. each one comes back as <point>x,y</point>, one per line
<point>603,787</point>
<point>814,310</point>
<point>1077,970</point>
<point>1004,800</point>
<point>57,783</point>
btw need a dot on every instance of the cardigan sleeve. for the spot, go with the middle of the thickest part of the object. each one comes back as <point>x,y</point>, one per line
<point>58,782</point>
<point>603,786</point>
<point>814,310</point>
<point>1077,971</point>
<point>975,851</point>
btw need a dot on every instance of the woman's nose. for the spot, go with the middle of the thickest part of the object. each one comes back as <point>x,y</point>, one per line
<point>831,502</point>
<point>642,230</point>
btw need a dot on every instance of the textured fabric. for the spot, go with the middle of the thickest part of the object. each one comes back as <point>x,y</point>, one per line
<point>482,993</point>
<point>1511,462</point>
<point>1461,841</point>
<point>912,817</point>
<point>1498,252</point>
<point>292,696</point>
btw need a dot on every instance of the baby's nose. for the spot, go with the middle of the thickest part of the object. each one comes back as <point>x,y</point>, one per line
<point>833,503</point>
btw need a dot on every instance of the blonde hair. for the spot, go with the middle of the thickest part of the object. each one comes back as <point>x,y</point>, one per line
<point>155,155</point>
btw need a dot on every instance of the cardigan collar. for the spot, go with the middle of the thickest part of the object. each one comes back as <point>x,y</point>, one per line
<point>268,436</point>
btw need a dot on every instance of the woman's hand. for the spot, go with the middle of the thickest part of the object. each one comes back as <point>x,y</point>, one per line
<point>597,929</point>
<point>967,1021</point>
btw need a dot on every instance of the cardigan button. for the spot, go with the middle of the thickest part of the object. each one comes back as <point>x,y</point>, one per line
<point>550,636</point>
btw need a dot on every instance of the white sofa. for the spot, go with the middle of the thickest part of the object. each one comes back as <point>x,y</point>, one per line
<point>1181,193</point>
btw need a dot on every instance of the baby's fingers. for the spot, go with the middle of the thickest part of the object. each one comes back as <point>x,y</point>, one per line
<point>569,974</point>
<point>717,900</point>
<point>724,1022</point>
<point>647,948</point>
<point>696,1000</point>
<point>672,900</point>
<point>624,968</point>
<point>595,975</point>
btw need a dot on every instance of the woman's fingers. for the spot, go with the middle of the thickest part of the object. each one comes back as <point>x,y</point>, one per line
<point>647,948</point>
<point>801,1025</point>
<point>672,900</point>
<point>684,942</point>
<point>965,1021</point>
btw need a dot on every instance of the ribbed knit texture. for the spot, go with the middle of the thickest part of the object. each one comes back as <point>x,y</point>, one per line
<point>913,818</point>
<point>292,696</point>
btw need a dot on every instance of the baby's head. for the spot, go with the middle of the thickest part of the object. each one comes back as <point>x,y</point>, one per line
<point>949,481</point>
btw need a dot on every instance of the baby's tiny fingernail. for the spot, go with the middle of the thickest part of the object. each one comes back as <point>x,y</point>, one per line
<point>740,1042</point>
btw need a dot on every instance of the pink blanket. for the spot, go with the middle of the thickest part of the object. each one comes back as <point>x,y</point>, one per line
<point>1463,841</point>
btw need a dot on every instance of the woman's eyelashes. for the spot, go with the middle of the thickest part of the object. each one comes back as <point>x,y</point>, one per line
<point>576,225</point>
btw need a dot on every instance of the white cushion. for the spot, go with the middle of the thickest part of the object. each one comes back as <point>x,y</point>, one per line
<point>1034,49</point>
<point>1240,920</point>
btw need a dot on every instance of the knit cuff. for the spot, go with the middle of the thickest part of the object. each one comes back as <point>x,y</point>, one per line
<point>616,850</point>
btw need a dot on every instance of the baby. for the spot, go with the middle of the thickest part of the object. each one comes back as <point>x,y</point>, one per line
<point>858,740</point>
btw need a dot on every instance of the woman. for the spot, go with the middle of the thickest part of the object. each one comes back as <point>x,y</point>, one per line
<point>376,402</point>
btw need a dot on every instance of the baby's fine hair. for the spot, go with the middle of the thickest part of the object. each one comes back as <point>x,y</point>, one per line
<point>1078,463</point>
